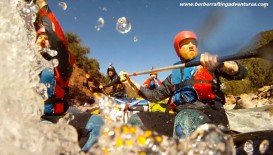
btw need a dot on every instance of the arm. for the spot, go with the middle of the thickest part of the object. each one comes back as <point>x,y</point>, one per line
<point>114,81</point>
<point>162,92</point>
<point>146,83</point>
<point>135,90</point>
<point>232,70</point>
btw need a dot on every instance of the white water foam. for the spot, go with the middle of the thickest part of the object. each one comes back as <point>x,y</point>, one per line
<point>21,131</point>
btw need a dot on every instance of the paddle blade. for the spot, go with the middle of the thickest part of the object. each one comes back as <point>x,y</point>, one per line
<point>261,46</point>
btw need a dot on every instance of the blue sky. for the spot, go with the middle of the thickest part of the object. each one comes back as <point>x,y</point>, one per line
<point>221,30</point>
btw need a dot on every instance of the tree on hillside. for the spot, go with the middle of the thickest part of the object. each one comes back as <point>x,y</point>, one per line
<point>259,72</point>
<point>89,65</point>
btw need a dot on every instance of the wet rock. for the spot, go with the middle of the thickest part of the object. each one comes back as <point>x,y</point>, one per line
<point>230,99</point>
<point>266,92</point>
<point>230,102</point>
<point>264,96</point>
<point>246,101</point>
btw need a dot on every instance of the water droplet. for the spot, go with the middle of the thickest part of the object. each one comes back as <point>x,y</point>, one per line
<point>34,8</point>
<point>155,148</point>
<point>97,28</point>
<point>28,11</point>
<point>248,147</point>
<point>47,85</point>
<point>100,23</point>
<point>41,89</point>
<point>135,39</point>
<point>104,9</point>
<point>111,133</point>
<point>123,25</point>
<point>55,62</point>
<point>211,152</point>
<point>222,127</point>
<point>263,146</point>
<point>63,5</point>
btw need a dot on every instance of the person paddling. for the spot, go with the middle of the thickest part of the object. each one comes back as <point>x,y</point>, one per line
<point>194,92</point>
<point>152,82</point>
<point>117,89</point>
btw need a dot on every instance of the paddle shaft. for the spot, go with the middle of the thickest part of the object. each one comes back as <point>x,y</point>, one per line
<point>196,63</point>
<point>157,70</point>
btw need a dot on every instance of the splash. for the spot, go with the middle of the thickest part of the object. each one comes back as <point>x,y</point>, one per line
<point>126,139</point>
<point>119,138</point>
<point>18,65</point>
<point>21,131</point>
<point>110,109</point>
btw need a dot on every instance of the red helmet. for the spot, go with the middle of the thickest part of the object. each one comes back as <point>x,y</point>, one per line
<point>182,36</point>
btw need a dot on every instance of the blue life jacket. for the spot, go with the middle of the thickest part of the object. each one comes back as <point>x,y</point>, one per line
<point>56,104</point>
<point>192,84</point>
<point>187,93</point>
<point>47,78</point>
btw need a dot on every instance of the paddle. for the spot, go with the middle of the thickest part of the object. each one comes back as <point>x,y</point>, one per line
<point>260,48</point>
<point>264,51</point>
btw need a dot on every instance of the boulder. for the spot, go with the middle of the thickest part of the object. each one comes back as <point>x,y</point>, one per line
<point>264,96</point>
